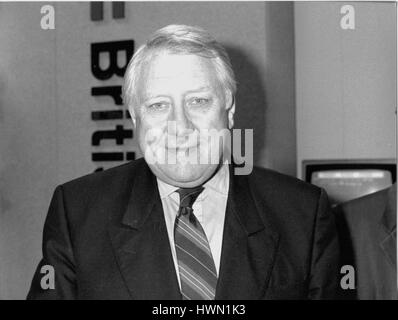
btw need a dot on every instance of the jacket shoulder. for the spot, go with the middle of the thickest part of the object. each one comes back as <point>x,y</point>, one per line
<point>106,178</point>
<point>274,182</point>
<point>285,200</point>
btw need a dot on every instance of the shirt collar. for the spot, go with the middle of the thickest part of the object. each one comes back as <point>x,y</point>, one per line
<point>219,183</point>
<point>165,189</point>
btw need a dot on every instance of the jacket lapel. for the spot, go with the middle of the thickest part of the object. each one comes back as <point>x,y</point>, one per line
<point>248,248</point>
<point>389,227</point>
<point>141,243</point>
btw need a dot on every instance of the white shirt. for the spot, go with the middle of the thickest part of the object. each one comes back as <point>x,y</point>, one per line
<point>209,208</point>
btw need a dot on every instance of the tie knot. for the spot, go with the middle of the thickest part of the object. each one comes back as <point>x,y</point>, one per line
<point>188,196</point>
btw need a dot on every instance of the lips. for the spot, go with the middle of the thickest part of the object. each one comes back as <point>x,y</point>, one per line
<point>181,148</point>
<point>180,144</point>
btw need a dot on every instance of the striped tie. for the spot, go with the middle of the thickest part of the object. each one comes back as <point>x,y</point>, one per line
<point>195,263</point>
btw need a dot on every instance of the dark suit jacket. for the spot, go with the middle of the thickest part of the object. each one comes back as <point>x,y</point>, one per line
<point>106,237</point>
<point>367,228</point>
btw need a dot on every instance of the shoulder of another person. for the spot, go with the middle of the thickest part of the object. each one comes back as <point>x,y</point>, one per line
<point>366,209</point>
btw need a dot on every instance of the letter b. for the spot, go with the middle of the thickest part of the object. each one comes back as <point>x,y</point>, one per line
<point>112,49</point>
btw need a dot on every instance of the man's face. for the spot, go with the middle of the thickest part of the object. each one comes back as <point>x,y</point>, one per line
<point>178,96</point>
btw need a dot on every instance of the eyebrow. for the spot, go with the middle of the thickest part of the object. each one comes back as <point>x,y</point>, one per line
<point>200,89</point>
<point>149,95</point>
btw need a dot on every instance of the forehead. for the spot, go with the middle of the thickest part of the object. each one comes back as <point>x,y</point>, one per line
<point>166,70</point>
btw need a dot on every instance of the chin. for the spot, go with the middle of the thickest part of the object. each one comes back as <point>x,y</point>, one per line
<point>185,176</point>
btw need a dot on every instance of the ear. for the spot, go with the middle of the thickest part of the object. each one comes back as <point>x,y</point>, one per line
<point>132,115</point>
<point>230,105</point>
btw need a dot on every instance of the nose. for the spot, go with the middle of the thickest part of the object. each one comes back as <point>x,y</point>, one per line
<point>182,121</point>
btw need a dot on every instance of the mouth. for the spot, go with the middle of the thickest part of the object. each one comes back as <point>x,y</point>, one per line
<point>181,148</point>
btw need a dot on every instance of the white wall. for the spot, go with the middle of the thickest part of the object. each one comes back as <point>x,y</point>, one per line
<point>45,101</point>
<point>345,82</point>
<point>28,146</point>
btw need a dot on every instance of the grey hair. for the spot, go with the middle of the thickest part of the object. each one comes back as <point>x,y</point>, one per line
<point>180,39</point>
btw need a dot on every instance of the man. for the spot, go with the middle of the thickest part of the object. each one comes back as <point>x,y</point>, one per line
<point>176,225</point>
<point>368,235</point>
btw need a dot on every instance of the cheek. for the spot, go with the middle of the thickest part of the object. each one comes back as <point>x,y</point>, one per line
<point>149,121</point>
<point>148,132</point>
<point>214,119</point>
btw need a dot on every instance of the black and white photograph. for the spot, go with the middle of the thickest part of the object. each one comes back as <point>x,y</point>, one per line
<point>198,150</point>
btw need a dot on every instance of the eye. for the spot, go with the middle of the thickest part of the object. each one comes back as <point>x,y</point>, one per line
<point>158,106</point>
<point>198,102</point>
